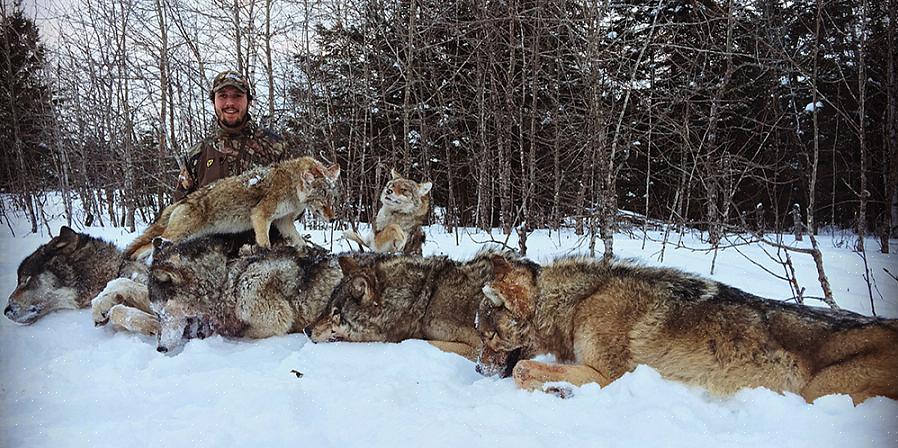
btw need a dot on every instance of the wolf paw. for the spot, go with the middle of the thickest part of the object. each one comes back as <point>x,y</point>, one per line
<point>562,390</point>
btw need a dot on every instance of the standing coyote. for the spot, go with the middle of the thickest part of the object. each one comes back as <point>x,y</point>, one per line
<point>405,204</point>
<point>607,317</point>
<point>67,272</point>
<point>197,289</point>
<point>390,298</point>
<point>255,199</point>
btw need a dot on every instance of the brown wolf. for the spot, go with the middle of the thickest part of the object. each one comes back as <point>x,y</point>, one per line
<point>404,207</point>
<point>66,273</point>
<point>390,298</point>
<point>197,288</point>
<point>607,317</point>
<point>255,199</point>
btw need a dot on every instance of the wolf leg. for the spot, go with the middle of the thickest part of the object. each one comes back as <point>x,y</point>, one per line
<point>119,291</point>
<point>532,375</point>
<point>459,348</point>
<point>288,230</point>
<point>134,320</point>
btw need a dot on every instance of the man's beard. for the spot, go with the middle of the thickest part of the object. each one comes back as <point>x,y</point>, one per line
<point>232,123</point>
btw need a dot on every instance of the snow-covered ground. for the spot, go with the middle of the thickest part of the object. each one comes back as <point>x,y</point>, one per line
<point>64,383</point>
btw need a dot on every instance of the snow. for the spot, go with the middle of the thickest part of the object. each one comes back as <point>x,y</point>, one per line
<point>68,383</point>
<point>813,106</point>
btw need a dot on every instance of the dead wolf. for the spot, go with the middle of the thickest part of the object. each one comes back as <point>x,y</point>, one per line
<point>197,289</point>
<point>255,199</point>
<point>391,298</point>
<point>397,228</point>
<point>67,272</point>
<point>607,317</point>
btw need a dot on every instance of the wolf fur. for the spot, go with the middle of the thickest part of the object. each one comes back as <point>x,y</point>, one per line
<point>66,273</point>
<point>255,199</point>
<point>390,298</point>
<point>397,229</point>
<point>607,317</point>
<point>197,290</point>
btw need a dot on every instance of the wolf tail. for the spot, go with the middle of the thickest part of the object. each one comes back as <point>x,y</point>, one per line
<point>144,242</point>
<point>353,236</point>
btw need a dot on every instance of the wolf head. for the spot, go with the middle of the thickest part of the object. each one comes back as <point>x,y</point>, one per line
<point>320,190</point>
<point>64,273</point>
<point>403,195</point>
<point>351,312</point>
<point>505,316</point>
<point>185,281</point>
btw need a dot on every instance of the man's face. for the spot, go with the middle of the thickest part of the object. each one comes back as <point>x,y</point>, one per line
<point>230,106</point>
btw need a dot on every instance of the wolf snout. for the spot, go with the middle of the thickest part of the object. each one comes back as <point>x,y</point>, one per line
<point>162,349</point>
<point>9,312</point>
<point>308,332</point>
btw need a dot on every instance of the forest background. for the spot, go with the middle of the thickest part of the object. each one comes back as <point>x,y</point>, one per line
<point>736,117</point>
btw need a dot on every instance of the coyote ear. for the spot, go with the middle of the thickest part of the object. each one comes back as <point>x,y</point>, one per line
<point>347,264</point>
<point>307,179</point>
<point>333,172</point>
<point>67,237</point>
<point>394,174</point>
<point>424,188</point>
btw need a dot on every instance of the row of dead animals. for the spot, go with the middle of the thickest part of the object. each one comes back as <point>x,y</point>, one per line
<point>599,318</point>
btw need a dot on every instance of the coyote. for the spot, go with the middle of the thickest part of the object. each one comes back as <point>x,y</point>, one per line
<point>607,317</point>
<point>67,272</point>
<point>390,298</point>
<point>397,229</point>
<point>197,289</point>
<point>255,199</point>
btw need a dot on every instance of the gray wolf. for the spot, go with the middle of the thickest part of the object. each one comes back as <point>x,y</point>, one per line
<point>390,298</point>
<point>197,288</point>
<point>66,273</point>
<point>397,228</point>
<point>601,319</point>
<point>255,199</point>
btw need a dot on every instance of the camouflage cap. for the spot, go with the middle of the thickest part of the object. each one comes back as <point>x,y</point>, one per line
<point>230,78</point>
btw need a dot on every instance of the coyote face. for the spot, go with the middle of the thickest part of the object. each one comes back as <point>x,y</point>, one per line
<point>65,273</point>
<point>321,194</point>
<point>404,195</point>
<point>504,316</point>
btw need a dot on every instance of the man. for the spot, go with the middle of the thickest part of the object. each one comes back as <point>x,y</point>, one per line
<point>237,145</point>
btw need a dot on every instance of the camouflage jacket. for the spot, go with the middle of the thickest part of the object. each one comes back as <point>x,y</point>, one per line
<point>224,154</point>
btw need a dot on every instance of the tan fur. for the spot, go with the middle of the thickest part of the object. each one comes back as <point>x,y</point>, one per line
<point>257,199</point>
<point>397,228</point>
<point>608,317</point>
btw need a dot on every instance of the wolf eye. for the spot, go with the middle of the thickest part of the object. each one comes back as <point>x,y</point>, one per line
<point>389,191</point>
<point>25,280</point>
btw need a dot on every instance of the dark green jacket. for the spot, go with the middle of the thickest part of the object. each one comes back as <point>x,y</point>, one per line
<point>224,154</point>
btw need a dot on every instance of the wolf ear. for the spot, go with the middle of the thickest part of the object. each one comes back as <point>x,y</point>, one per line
<point>362,290</point>
<point>424,188</point>
<point>67,237</point>
<point>501,266</point>
<point>394,174</point>
<point>167,277</point>
<point>347,264</point>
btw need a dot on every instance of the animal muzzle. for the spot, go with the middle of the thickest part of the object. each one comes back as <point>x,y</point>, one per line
<point>491,362</point>
<point>18,314</point>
